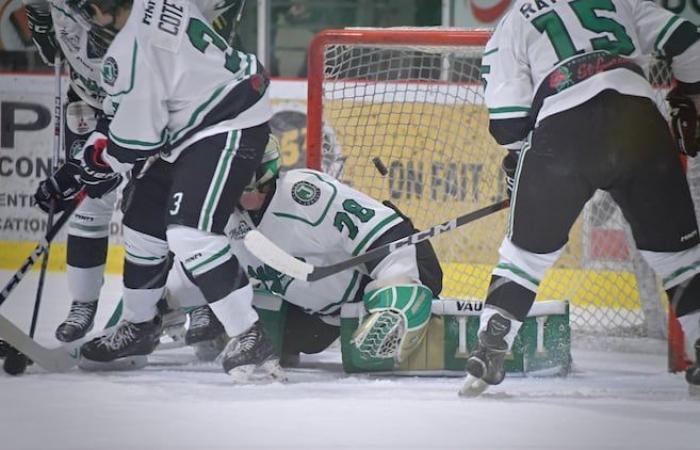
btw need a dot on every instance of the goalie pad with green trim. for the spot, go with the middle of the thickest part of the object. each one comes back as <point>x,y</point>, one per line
<point>542,346</point>
<point>395,324</point>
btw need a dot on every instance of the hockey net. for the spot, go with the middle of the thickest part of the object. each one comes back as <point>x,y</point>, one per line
<point>413,98</point>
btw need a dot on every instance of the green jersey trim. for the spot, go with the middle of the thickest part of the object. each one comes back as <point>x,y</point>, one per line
<point>88,227</point>
<point>665,33</point>
<point>223,167</point>
<point>379,227</point>
<point>131,143</point>
<point>214,257</point>
<point>145,258</point>
<point>325,210</point>
<point>510,109</point>
<point>64,12</point>
<point>329,309</point>
<point>680,272</point>
<point>489,52</point>
<point>519,272</point>
<point>133,72</point>
<point>195,118</point>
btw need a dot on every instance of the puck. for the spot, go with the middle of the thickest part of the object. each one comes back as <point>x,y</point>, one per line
<point>15,363</point>
<point>381,168</point>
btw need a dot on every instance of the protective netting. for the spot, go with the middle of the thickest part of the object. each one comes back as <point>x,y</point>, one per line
<point>420,109</point>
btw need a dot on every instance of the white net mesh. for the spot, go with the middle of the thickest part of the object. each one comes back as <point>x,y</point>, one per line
<point>420,109</point>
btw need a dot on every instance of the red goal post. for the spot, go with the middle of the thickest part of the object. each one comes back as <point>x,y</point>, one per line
<point>413,97</point>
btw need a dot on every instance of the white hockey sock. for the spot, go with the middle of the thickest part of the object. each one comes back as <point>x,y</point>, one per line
<point>140,305</point>
<point>235,311</point>
<point>515,325</point>
<point>690,324</point>
<point>84,284</point>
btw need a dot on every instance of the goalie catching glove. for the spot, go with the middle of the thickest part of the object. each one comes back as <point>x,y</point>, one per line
<point>684,122</point>
<point>97,176</point>
<point>60,188</point>
<point>396,323</point>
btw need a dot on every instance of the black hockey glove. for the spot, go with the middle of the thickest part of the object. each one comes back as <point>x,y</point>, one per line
<point>97,176</point>
<point>509,166</point>
<point>60,188</point>
<point>684,122</point>
<point>43,35</point>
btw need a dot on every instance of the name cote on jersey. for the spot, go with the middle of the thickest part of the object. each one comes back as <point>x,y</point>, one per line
<point>170,16</point>
<point>533,7</point>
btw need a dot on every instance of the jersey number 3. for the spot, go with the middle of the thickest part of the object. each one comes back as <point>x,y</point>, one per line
<point>585,10</point>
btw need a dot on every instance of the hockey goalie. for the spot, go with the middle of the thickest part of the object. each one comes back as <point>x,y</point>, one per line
<point>320,220</point>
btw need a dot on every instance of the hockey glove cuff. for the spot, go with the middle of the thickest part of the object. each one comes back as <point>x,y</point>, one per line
<point>509,166</point>
<point>61,188</point>
<point>97,176</point>
<point>684,122</point>
<point>41,26</point>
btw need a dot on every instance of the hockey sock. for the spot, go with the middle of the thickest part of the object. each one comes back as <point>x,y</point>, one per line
<point>86,262</point>
<point>510,297</point>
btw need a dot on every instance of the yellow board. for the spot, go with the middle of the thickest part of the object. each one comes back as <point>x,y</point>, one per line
<point>13,254</point>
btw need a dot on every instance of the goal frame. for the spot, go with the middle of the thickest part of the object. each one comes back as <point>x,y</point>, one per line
<point>444,37</point>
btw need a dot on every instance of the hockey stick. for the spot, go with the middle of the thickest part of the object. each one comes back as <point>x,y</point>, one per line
<point>278,259</point>
<point>40,248</point>
<point>57,137</point>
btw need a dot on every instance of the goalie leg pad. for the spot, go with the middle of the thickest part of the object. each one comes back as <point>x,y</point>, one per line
<point>397,321</point>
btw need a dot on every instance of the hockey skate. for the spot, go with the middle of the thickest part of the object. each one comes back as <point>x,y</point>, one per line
<point>485,364</point>
<point>250,357</point>
<point>692,375</point>
<point>79,321</point>
<point>204,326</point>
<point>124,348</point>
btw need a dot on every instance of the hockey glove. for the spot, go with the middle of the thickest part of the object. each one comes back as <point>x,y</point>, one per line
<point>509,166</point>
<point>60,188</point>
<point>41,26</point>
<point>97,176</point>
<point>684,122</point>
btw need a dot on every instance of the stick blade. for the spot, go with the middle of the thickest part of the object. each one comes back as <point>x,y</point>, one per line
<point>58,359</point>
<point>269,253</point>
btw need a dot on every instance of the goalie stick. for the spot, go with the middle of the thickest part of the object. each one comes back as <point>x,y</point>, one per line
<point>269,253</point>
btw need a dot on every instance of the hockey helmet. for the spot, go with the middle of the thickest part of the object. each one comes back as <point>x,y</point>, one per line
<point>100,36</point>
<point>269,167</point>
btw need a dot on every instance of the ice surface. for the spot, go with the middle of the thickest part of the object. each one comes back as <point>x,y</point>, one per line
<point>613,400</point>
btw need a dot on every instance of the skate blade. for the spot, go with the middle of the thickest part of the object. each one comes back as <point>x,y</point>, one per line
<point>268,372</point>
<point>126,363</point>
<point>473,387</point>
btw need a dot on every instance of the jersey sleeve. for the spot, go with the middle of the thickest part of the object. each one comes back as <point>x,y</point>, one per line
<point>672,37</point>
<point>508,85</point>
<point>138,100</point>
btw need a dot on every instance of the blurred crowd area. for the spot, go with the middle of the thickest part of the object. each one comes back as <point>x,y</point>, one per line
<point>293,23</point>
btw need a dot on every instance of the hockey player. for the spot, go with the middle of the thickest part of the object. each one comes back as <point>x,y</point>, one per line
<point>315,217</point>
<point>568,98</point>
<point>178,92</point>
<point>54,30</point>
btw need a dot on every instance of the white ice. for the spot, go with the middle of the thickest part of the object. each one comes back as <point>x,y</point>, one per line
<point>613,400</point>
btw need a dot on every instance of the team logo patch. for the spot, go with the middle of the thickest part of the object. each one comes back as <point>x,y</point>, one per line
<point>305,193</point>
<point>110,71</point>
<point>75,147</point>
<point>238,232</point>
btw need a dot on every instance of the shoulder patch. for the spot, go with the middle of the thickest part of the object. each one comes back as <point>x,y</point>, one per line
<point>110,71</point>
<point>305,193</point>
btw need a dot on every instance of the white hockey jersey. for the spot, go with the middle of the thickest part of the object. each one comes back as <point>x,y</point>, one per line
<point>172,81</point>
<point>83,61</point>
<point>547,56</point>
<point>322,221</point>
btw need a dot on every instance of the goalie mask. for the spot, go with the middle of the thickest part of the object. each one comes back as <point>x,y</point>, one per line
<point>396,323</point>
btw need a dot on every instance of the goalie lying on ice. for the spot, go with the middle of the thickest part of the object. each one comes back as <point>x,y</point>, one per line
<point>320,220</point>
